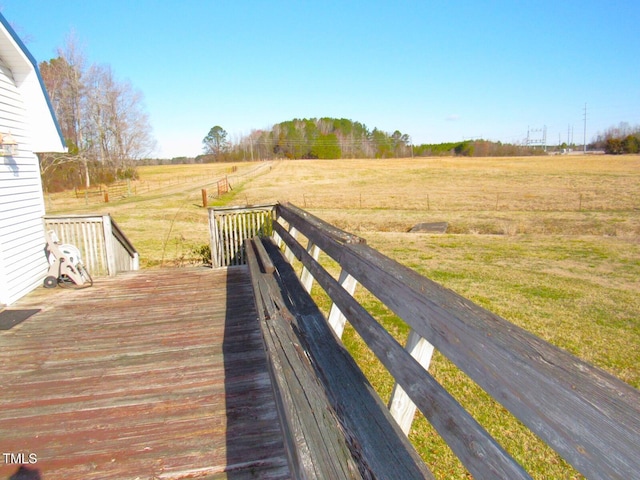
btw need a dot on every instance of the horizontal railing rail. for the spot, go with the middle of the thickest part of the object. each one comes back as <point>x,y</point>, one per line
<point>589,417</point>
<point>104,247</point>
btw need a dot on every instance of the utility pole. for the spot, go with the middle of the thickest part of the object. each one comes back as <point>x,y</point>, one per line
<point>584,147</point>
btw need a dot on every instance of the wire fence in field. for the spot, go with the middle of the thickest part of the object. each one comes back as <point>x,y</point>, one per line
<point>474,200</point>
<point>218,184</point>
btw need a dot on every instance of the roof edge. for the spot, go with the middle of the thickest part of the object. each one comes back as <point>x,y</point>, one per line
<point>34,64</point>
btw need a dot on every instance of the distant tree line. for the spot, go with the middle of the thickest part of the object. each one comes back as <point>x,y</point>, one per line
<point>333,138</point>
<point>314,138</point>
<point>102,120</point>
<point>618,140</point>
<point>476,148</point>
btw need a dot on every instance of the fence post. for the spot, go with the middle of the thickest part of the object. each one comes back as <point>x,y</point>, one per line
<point>336,319</point>
<point>401,407</point>
<point>204,198</point>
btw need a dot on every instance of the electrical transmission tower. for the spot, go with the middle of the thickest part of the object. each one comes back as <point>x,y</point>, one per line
<point>537,137</point>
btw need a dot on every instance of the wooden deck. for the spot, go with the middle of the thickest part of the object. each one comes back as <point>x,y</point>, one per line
<point>158,374</point>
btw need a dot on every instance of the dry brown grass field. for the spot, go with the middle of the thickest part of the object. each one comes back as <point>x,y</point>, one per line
<point>549,243</point>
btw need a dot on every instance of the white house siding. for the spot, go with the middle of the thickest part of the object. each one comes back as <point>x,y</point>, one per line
<point>23,264</point>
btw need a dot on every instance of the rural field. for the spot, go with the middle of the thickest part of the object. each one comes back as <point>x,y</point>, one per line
<point>551,244</point>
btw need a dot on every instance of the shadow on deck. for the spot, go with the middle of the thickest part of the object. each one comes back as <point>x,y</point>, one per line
<point>153,374</point>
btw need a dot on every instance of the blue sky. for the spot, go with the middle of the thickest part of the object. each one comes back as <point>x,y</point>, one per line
<point>435,70</point>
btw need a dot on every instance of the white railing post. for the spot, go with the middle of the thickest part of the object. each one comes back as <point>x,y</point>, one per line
<point>288,253</point>
<point>214,240</point>
<point>336,319</point>
<point>401,407</point>
<point>108,246</point>
<point>276,219</point>
<point>305,277</point>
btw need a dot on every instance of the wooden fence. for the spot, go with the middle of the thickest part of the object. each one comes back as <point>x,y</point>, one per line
<point>104,247</point>
<point>589,417</point>
<point>106,193</point>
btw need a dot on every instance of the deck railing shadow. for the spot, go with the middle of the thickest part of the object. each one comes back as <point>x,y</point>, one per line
<point>245,369</point>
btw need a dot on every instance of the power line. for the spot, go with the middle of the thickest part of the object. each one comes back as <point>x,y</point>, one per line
<point>584,145</point>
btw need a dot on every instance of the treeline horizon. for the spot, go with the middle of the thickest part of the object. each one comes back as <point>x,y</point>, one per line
<point>337,138</point>
<point>619,140</point>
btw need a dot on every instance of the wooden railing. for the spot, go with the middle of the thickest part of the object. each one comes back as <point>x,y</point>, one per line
<point>229,227</point>
<point>589,417</point>
<point>104,247</point>
<point>334,423</point>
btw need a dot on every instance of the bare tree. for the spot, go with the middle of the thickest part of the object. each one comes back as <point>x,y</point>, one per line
<point>64,79</point>
<point>101,118</point>
<point>132,129</point>
<point>117,125</point>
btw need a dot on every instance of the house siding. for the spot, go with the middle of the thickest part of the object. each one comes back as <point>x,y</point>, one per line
<point>23,264</point>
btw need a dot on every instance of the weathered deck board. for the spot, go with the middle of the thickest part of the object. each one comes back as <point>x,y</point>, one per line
<point>153,374</point>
